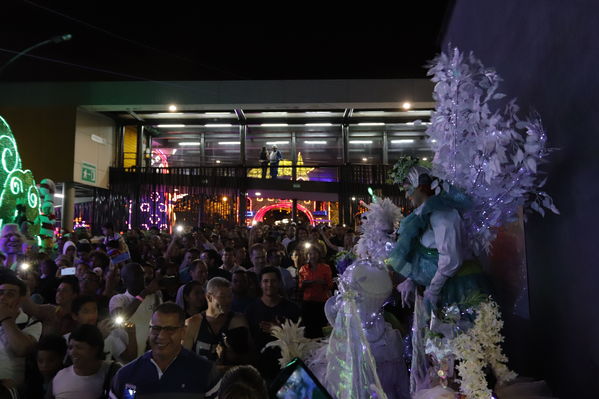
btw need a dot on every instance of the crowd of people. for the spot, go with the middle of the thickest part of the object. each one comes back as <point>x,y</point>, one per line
<point>134,313</point>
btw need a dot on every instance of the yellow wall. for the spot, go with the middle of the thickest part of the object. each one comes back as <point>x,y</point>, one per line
<point>45,139</point>
<point>130,146</point>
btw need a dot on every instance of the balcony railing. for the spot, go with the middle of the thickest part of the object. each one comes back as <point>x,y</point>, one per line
<point>335,178</point>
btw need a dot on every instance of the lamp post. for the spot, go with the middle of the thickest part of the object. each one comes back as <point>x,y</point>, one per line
<point>55,40</point>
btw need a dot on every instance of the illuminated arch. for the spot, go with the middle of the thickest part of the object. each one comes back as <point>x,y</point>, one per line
<point>283,205</point>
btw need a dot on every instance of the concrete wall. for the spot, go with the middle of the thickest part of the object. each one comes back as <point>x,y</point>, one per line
<point>547,52</point>
<point>94,145</point>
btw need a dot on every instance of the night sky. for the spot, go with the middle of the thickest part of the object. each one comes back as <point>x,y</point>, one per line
<point>159,42</point>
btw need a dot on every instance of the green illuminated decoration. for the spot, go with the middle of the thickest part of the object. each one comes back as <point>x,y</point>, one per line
<point>17,186</point>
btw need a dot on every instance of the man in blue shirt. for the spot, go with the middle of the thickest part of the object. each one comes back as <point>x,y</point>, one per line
<point>167,370</point>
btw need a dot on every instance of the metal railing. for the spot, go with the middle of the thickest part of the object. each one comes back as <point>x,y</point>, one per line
<point>377,175</point>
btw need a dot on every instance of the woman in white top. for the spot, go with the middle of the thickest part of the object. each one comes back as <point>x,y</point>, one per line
<point>90,375</point>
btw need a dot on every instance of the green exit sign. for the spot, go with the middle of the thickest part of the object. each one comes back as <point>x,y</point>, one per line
<point>88,172</point>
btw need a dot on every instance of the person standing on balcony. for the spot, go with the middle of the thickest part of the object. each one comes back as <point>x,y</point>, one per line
<point>275,156</point>
<point>264,161</point>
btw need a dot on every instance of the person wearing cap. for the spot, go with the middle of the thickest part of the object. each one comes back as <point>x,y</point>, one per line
<point>274,158</point>
<point>69,251</point>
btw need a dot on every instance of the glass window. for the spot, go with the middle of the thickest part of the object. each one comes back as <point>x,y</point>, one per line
<point>222,147</point>
<point>405,139</point>
<point>365,144</point>
<point>177,149</point>
<point>182,147</point>
<point>319,145</point>
<point>259,137</point>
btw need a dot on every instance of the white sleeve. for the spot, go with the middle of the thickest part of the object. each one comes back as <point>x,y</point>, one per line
<point>446,227</point>
<point>116,343</point>
<point>34,329</point>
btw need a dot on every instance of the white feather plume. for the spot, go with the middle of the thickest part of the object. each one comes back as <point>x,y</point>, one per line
<point>378,223</point>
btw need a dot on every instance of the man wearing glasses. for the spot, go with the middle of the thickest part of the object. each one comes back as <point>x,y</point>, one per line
<point>168,369</point>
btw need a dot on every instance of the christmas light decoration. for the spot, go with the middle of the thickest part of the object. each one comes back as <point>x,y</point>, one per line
<point>283,205</point>
<point>17,186</point>
<point>487,152</point>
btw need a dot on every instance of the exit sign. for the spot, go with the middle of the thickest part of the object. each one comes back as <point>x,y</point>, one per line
<point>88,172</point>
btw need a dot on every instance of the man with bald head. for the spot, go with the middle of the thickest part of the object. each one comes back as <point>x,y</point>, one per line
<point>138,302</point>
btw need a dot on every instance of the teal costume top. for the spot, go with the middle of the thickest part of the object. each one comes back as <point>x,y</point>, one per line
<point>419,263</point>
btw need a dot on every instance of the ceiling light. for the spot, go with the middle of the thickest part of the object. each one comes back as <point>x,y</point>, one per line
<point>217,113</point>
<point>425,159</point>
<point>273,124</point>
<point>364,159</point>
<point>169,113</point>
<point>184,143</point>
<point>319,124</point>
<point>172,107</point>
<point>274,113</point>
<point>258,194</point>
<point>371,124</point>
<point>218,125</point>
<point>353,198</point>
<point>229,143</point>
<point>225,199</point>
<point>402,141</point>
<point>314,142</point>
<point>433,141</point>
<point>218,161</point>
<point>406,105</point>
<point>170,125</point>
<point>319,112</point>
<point>277,142</point>
<point>360,141</point>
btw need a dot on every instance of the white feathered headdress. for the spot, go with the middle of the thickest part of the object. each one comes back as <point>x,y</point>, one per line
<point>378,223</point>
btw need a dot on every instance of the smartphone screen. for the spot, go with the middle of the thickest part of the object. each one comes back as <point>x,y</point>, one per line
<point>297,381</point>
<point>129,392</point>
<point>68,271</point>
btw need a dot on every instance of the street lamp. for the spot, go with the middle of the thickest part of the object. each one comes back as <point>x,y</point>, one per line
<point>55,40</point>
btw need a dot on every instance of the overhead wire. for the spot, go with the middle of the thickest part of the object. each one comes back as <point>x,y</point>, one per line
<point>135,42</point>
